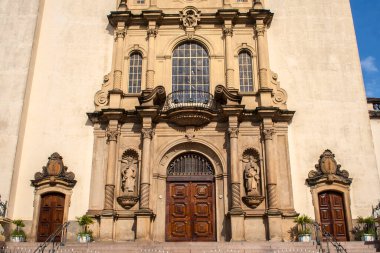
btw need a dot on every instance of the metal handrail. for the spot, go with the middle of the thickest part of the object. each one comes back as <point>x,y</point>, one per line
<point>190,98</point>
<point>329,238</point>
<point>62,229</point>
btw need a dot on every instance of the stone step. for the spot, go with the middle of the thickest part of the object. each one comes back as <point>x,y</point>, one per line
<point>191,247</point>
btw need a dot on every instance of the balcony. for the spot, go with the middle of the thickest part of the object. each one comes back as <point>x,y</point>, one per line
<point>189,107</point>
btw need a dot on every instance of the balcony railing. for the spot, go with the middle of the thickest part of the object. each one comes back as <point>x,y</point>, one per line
<point>189,99</point>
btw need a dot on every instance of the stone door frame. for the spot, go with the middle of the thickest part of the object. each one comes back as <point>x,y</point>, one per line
<point>45,189</point>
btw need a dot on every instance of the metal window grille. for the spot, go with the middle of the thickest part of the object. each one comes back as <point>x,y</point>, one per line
<point>190,70</point>
<point>245,72</point>
<point>135,67</point>
<point>140,1</point>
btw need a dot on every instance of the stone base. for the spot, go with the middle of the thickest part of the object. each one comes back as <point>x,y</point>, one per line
<point>106,228</point>
<point>143,220</point>
<point>237,227</point>
<point>275,228</point>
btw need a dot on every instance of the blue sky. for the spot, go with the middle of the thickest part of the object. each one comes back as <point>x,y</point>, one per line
<point>367,25</point>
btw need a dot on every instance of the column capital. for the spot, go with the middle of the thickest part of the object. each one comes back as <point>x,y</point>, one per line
<point>268,133</point>
<point>120,33</point>
<point>233,132</point>
<point>260,29</point>
<point>147,133</point>
<point>112,135</point>
<point>152,32</point>
<point>228,31</point>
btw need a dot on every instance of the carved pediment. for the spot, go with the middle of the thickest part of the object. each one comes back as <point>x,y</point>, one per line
<point>328,171</point>
<point>55,172</point>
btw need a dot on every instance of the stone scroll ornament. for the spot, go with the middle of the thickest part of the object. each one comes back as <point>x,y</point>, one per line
<point>328,171</point>
<point>55,172</point>
<point>190,17</point>
<point>252,178</point>
<point>128,175</point>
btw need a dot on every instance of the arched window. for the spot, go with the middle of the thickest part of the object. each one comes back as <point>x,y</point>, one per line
<point>135,68</point>
<point>190,70</point>
<point>245,71</point>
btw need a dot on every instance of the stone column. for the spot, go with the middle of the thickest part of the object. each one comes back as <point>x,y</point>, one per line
<point>152,33</point>
<point>147,134</point>
<point>273,212</point>
<point>122,5</point>
<point>262,53</point>
<point>107,223</point>
<point>116,92</point>
<point>228,32</point>
<point>112,134</point>
<point>236,212</point>
<point>144,214</point>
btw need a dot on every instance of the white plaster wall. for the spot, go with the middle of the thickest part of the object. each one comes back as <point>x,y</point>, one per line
<point>312,46</point>
<point>74,52</point>
<point>17,24</point>
<point>375,126</point>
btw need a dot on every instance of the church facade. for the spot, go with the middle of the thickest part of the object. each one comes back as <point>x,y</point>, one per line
<point>218,120</point>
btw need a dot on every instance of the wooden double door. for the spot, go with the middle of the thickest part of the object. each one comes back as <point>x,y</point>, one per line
<point>333,219</point>
<point>190,211</point>
<point>51,215</point>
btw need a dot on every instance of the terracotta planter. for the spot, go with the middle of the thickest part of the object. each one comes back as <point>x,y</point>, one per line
<point>304,238</point>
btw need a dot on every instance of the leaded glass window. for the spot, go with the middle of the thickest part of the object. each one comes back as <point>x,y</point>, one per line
<point>190,70</point>
<point>245,71</point>
<point>135,67</point>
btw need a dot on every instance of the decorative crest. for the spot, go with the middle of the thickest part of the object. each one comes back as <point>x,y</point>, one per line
<point>328,171</point>
<point>190,16</point>
<point>54,173</point>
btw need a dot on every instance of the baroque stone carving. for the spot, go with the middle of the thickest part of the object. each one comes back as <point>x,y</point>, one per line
<point>233,132</point>
<point>101,97</point>
<point>190,17</point>
<point>252,178</point>
<point>228,31</point>
<point>147,133</point>
<point>279,95</point>
<point>152,32</point>
<point>128,175</point>
<point>3,207</point>
<point>328,171</point>
<point>54,173</point>
<point>268,133</point>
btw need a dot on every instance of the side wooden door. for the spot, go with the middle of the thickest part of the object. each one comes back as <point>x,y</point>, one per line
<point>190,211</point>
<point>51,215</point>
<point>333,220</point>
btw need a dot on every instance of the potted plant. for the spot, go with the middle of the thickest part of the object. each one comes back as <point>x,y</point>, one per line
<point>366,228</point>
<point>85,235</point>
<point>303,229</point>
<point>18,235</point>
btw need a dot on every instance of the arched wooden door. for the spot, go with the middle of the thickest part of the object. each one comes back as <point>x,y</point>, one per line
<point>51,215</point>
<point>332,213</point>
<point>190,199</point>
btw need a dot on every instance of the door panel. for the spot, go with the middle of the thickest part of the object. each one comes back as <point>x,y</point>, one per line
<point>331,208</point>
<point>51,215</point>
<point>190,211</point>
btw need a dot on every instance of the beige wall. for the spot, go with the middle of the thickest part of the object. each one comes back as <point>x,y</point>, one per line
<point>375,126</point>
<point>74,52</point>
<point>17,24</point>
<point>312,46</point>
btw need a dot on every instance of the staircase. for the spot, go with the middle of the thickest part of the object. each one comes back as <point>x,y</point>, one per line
<point>191,247</point>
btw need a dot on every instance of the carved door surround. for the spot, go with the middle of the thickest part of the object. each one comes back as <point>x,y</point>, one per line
<point>54,179</point>
<point>329,178</point>
<point>190,199</point>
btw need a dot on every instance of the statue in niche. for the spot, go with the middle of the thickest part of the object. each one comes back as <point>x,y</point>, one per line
<point>3,208</point>
<point>128,174</point>
<point>252,177</point>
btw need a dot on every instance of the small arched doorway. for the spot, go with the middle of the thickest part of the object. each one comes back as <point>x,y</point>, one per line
<point>333,217</point>
<point>190,199</point>
<point>50,215</point>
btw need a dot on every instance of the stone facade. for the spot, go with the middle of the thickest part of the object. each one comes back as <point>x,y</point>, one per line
<point>273,88</point>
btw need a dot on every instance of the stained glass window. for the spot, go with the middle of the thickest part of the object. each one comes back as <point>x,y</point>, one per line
<point>190,69</point>
<point>245,71</point>
<point>135,66</point>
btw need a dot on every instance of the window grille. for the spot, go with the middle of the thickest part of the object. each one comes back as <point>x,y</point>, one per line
<point>245,71</point>
<point>190,164</point>
<point>190,70</point>
<point>135,68</point>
